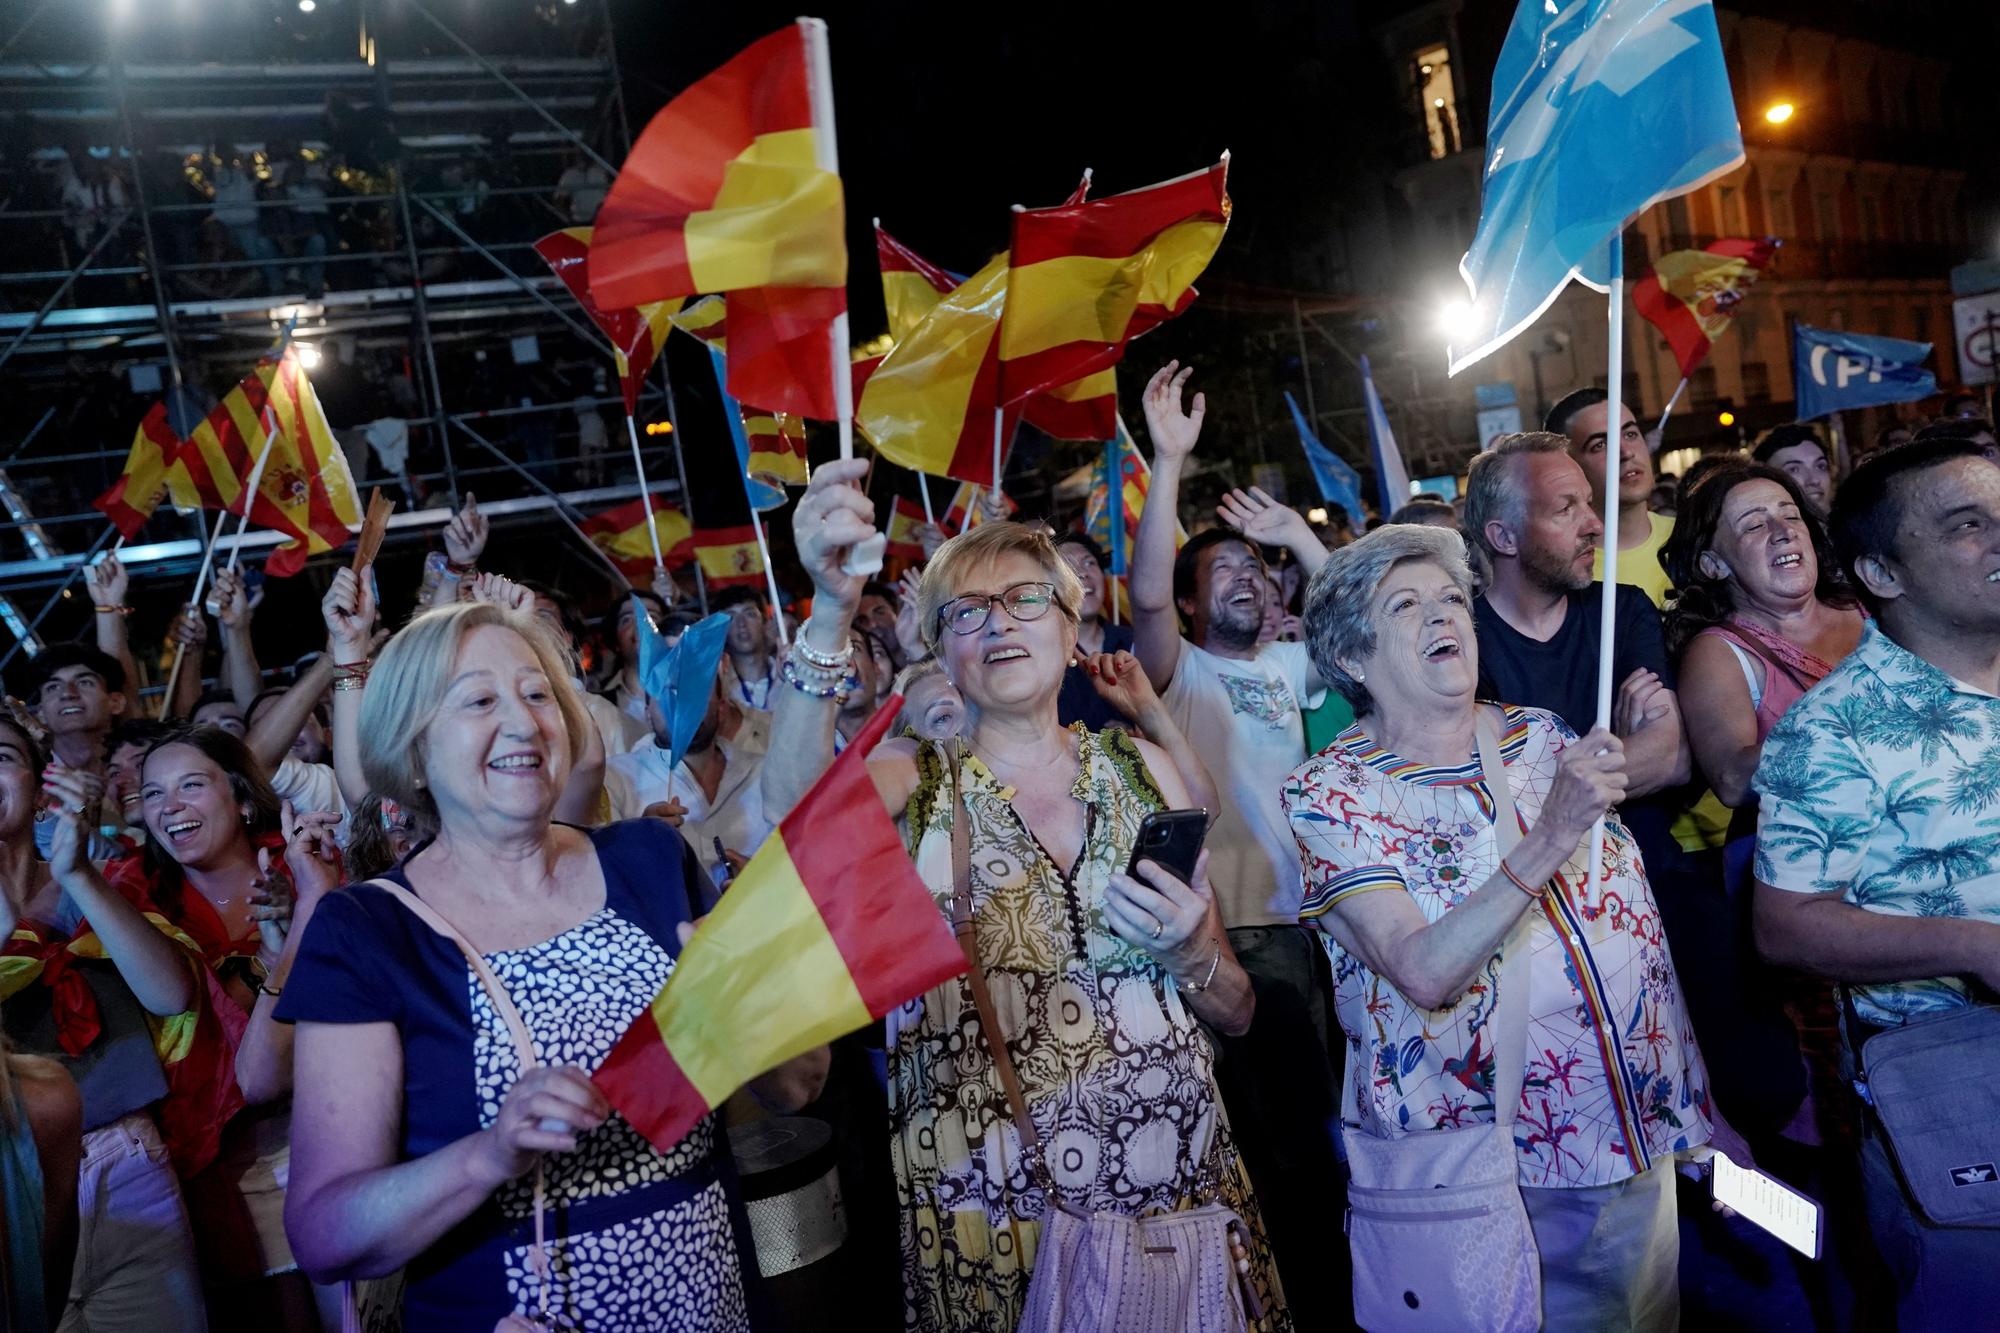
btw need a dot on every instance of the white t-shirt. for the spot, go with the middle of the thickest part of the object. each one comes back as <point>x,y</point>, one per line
<point>311,787</point>
<point>640,777</point>
<point>1243,718</point>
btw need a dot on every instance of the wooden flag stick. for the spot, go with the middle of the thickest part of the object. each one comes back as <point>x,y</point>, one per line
<point>373,527</point>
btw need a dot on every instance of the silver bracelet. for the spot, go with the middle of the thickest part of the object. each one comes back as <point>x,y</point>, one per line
<point>1207,981</point>
<point>812,657</point>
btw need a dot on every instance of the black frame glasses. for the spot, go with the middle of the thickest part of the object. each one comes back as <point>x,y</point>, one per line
<point>1013,597</point>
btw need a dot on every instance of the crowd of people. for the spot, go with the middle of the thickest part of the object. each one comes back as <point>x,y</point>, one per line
<point>303,985</point>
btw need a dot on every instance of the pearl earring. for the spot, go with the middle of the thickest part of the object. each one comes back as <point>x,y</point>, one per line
<point>1359,677</point>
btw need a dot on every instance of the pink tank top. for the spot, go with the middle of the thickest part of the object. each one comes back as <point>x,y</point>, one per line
<point>1788,670</point>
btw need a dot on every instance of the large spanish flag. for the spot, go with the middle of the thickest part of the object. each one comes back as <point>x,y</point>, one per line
<point>1692,295</point>
<point>305,490</point>
<point>728,190</point>
<point>1089,277</point>
<point>827,929</point>
<point>621,533</point>
<point>143,484</point>
<point>729,556</point>
<point>637,334</point>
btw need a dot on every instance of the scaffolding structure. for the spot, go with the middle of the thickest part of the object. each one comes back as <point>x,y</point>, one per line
<point>385,203</point>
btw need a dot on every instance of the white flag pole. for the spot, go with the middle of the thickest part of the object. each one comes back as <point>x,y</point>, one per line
<point>1614,437</point>
<point>646,494</point>
<point>1660,432</point>
<point>826,153</point>
<point>999,418</point>
<point>249,497</point>
<point>924,489</point>
<point>770,580</point>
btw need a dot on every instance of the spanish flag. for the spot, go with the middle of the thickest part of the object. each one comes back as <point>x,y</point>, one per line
<point>967,509</point>
<point>621,534</point>
<point>728,190</point>
<point>143,484</point>
<point>906,517</point>
<point>911,284</point>
<point>1692,295</point>
<point>1087,278</point>
<point>636,335</point>
<point>777,448</point>
<point>827,929</point>
<point>305,490</point>
<point>706,320</point>
<point>729,556</point>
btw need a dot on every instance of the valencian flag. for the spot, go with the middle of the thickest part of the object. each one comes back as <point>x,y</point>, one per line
<point>1692,295</point>
<point>729,556</point>
<point>305,490</point>
<point>143,484</point>
<point>827,929</point>
<point>1086,278</point>
<point>725,192</point>
<point>636,334</point>
<point>906,517</point>
<point>621,534</point>
<point>1115,526</point>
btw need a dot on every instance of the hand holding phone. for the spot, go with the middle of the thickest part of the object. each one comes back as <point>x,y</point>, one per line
<point>1172,840</point>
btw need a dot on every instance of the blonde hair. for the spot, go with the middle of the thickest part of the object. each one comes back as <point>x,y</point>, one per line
<point>408,684</point>
<point>969,552</point>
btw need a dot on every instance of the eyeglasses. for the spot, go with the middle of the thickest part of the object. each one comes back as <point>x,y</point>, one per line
<point>1024,602</point>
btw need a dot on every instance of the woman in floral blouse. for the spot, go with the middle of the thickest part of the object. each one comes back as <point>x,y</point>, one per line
<point>1395,825</point>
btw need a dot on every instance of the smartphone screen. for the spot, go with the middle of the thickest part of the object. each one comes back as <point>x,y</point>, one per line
<point>1779,1209</point>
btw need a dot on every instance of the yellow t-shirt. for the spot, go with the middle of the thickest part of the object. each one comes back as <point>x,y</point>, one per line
<point>1639,566</point>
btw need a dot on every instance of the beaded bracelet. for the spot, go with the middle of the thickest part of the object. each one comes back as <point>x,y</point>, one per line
<point>812,657</point>
<point>837,690</point>
<point>1522,884</point>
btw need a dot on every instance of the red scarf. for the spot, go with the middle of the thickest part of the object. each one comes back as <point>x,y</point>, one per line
<point>73,1003</point>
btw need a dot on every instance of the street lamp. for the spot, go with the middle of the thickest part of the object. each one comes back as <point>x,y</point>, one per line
<point>1779,112</point>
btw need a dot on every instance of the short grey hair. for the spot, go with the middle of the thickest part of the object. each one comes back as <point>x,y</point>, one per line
<point>1340,620</point>
<point>1494,488</point>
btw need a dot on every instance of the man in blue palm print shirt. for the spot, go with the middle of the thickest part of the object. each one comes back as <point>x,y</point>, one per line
<point>1878,835</point>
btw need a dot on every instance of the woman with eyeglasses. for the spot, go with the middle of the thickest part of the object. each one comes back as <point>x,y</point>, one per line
<point>1098,977</point>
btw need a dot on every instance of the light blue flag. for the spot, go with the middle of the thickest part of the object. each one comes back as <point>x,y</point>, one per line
<point>763,498</point>
<point>1832,371</point>
<point>1392,478</point>
<point>1339,484</point>
<point>1601,108</point>
<point>681,677</point>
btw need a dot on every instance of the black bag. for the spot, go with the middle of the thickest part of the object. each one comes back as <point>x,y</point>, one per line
<point>1935,1087</point>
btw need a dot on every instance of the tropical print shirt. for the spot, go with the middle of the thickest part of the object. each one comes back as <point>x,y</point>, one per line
<point>1883,785</point>
<point>1614,1082</point>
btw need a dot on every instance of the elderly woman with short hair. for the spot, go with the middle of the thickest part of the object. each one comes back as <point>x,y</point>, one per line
<point>420,1142</point>
<point>1396,828</point>
<point>1097,977</point>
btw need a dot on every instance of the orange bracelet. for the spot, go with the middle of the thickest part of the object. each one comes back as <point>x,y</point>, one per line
<point>1522,884</point>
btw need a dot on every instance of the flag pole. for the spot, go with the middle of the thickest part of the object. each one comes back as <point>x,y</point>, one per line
<point>924,489</point>
<point>1114,509</point>
<point>826,154</point>
<point>1660,431</point>
<point>1614,434</point>
<point>999,414</point>
<point>770,579</point>
<point>194,606</point>
<point>249,496</point>
<point>646,494</point>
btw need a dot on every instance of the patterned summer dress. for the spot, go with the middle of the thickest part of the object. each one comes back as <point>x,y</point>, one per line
<point>1118,1075</point>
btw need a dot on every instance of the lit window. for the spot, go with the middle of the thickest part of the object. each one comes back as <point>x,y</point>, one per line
<point>1438,100</point>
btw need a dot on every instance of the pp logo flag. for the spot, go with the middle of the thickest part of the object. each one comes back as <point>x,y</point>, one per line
<point>1833,371</point>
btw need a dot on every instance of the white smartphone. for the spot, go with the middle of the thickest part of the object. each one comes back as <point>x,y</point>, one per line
<point>1776,1207</point>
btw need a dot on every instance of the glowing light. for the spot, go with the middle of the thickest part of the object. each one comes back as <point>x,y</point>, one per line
<point>1726,419</point>
<point>1455,321</point>
<point>1779,112</point>
<point>307,6</point>
<point>1316,515</point>
<point>659,428</point>
<point>308,355</point>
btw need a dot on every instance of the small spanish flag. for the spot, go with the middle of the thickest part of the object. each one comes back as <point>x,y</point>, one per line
<point>905,518</point>
<point>828,928</point>
<point>637,335</point>
<point>621,534</point>
<point>143,484</point>
<point>1692,295</point>
<point>777,447</point>
<point>725,191</point>
<point>911,285</point>
<point>967,509</point>
<point>729,556</point>
<point>1087,278</point>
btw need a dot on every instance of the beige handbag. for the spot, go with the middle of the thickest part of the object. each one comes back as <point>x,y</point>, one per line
<point>1439,1233</point>
<point>1100,1272</point>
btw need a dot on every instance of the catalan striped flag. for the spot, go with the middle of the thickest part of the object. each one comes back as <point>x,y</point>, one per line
<point>637,334</point>
<point>725,192</point>
<point>621,534</point>
<point>143,484</point>
<point>729,556</point>
<point>1115,526</point>
<point>1691,296</point>
<point>906,518</point>
<point>305,490</point>
<point>1087,278</point>
<point>828,928</point>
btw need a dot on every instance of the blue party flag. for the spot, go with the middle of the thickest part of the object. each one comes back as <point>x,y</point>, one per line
<point>1832,371</point>
<point>680,677</point>
<point>1339,484</point>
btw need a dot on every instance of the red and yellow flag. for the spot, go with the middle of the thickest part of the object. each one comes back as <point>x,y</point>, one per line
<point>637,334</point>
<point>827,929</point>
<point>725,192</point>
<point>729,556</point>
<point>305,490</point>
<point>1087,278</point>
<point>911,284</point>
<point>967,509</point>
<point>777,448</point>
<point>906,517</point>
<point>143,484</point>
<point>1692,295</point>
<point>620,533</point>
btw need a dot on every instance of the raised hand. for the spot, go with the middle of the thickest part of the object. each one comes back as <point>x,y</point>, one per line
<point>271,906</point>
<point>1260,518</point>
<point>1174,431</point>
<point>831,517</point>
<point>1590,779</point>
<point>311,854</point>
<point>502,591</point>
<point>1120,681</point>
<point>230,595</point>
<point>465,535</point>
<point>188,629</point>
<point>909,634</point>
<point>349,612</point>
<point>1155,911</point>
<point>73,793</point>
<point>107,582</point>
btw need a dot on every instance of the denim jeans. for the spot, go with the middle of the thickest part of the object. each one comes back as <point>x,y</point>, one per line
<point>1946,1277</point>
<point>135,1263</point>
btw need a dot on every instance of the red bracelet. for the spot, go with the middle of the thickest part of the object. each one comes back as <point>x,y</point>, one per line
<point>1522,884</point>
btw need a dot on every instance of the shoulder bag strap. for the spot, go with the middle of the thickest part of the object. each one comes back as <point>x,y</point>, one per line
<point>524,1048</point>
<point>1510,1046</point>
<point>975,975</point>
